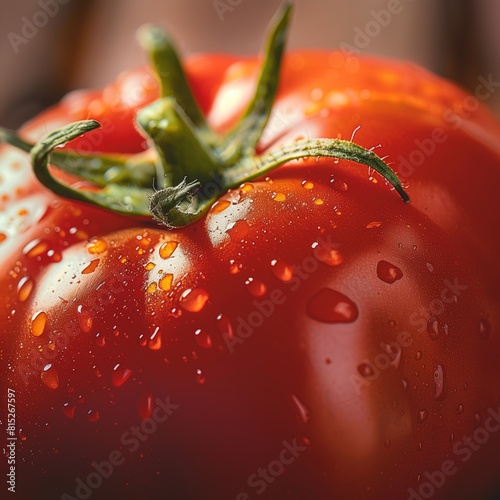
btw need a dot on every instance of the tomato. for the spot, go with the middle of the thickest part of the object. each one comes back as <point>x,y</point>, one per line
<point>308,336</point>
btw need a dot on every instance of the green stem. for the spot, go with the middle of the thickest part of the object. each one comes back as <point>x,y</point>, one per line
<point>332,148</point>
<point>182,153</point>
<point>137,170</point>
<point>167,64</point>
<point>243,138</point>
<point>125,200</point>
<point>188,164</point>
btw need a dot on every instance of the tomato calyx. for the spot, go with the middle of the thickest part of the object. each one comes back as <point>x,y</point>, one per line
<point>188,165</point>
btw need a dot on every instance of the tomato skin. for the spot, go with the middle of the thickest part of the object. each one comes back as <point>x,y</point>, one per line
<point>237,395</point>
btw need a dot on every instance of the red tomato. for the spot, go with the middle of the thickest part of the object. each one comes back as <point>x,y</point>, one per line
<point>311,337</point>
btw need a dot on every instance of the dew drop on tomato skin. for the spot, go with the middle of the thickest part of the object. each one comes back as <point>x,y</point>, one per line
<point>477,419</point>
<point>24,288</point>
<point>200,377</point>
<point>90,268</point>
<point>165,282</point>
<point>145,405</point>
<point>219,206</point>
<point>234,268</point>
<point>329,256</point>
<point>238,230</point>
<point>484,328</point>
<point>330,306</point>
<point>203,339</point>
<point>93,416</point>
<point>460,409</point>
<point>38,322</point>
<point>50,377</point>
<point>438,382</point>
<point>154,342</point>
<point>224,326</point>
<point>422,415</point>
<point>436,328</point>
<point>282,270</point>
<point>193,300</point>
<point>255,287</point>
<point>302,410</point>
<point>100,340</point>
<point>365,370</point>
<point>120,375</point>
<point>69,410</point>
<point>85,320</point>
<point>167,249</point>
<point>280,197</point>
<point>96,246</point>
<point>387,272</point>
<point>35,248</point>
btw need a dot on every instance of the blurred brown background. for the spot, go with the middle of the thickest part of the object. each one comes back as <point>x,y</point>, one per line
<point>48,47</point>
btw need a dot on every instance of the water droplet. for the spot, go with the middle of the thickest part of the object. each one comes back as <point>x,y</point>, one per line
<point>484,328</point>
<point>282,270</point>
<point>69,410</point>
<point>418,355</point>
<point>35,248</point>
<point>255,287</point>
<point>200,377</point>
<point>100,340</point>
<point>154,342</point>
<point>439,381</point>
<point>436,328</point>
<point>38,322</point>
<point>167,249</point>
<point>246,187</point>
<point>93,416</point>
<point>219,206</point>
<point>459,410</point>
<point>477,419</point>
<point>422,415</point>
<point>331,306</point>
<point>145,405</point>
<point>91,267</point>
<point>319,201</point>
<point>96,246</point>
<point>165,282</point>
<point>301,409</point>
<point>193,300</point>
<point>144,240</point>
<point>120,375</point>
<point>327,255</point>
<point>373,225</point>
<point>365,370</point>
<point>238,230</point>
<point>234,268</point>
<point>24,288</point>
<point>50,377</point>
<point>387,444</point>
<point>224,326</point>
<point>429,266</point>
<point>279,197</point>
<point>394,351</point>
<point>203,339</point>
<point>84,319</point>
<point>307,185</point>
<point>387,272</point>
